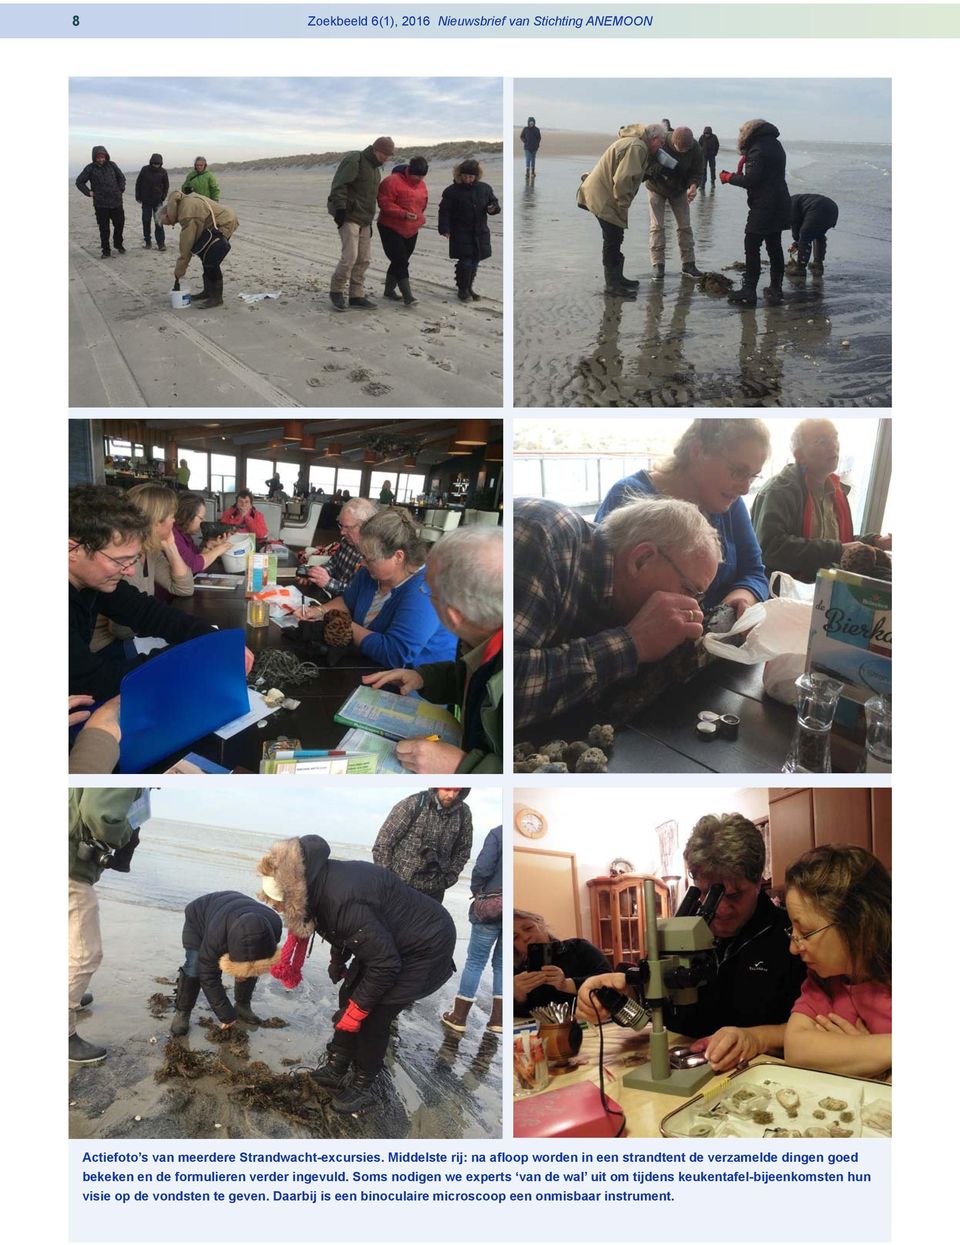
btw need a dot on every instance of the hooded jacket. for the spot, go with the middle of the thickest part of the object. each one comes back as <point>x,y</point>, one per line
<point>424,843</point>
<point>463,216</point>
<point>194,213</point>
<point>398,195</point>
<point>202,183</point>
<point>487,876</point>
<point>401,942</point>
<point>104,183</point>
<point>531,137</point>
<point>764,178</point>
<point>153,183</point>
<point>611,186</point>
<point>233,934</point>
<point>812,214</point>
<point>355,185</point>
<point>709,143</point>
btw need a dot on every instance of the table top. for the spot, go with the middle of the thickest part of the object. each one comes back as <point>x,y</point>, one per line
<point>312,722</point>
<point>663,737</point>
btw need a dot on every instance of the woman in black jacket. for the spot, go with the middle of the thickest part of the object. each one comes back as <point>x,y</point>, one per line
<point>462,218</point>
<point>224,932</point>
<point>554,973</point>
<point>389,945</point>
<point>761,172</point>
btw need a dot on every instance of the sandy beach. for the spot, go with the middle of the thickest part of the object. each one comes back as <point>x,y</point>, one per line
<point>128,348</point>
<point>439,1085</point>
<point>829,344</point>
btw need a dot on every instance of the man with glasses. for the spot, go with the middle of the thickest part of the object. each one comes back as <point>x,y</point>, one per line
<point>104,549</point>
<point>802,515</point>
<point>596,603</point>
<point>743,1010</point>
<point>336,576</point>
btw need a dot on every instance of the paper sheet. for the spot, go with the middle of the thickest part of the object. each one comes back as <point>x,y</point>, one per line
<point>148,643</point>
<point>259,709</point>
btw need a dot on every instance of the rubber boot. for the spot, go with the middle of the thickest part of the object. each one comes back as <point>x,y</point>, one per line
<point>819,254</point>
<point>242,998</point>
<point>773,293</point>
<point>339,300</point>
<point>390,289</point>
<point>405,290</point>
<point>495,1023</point>
<point>85,1052</point>
<point>184,1000</point>
<point>332,1073</point>
<point>358,1096</point>
<point>691,270</point>
<point>463,283</point>
<point>215,298</point>
<point>627,281</point>
<point>456,1019</point>
<point>657,272</point>
<point>614,286</point>
<point>205,293</point>
<point>147,244</point>
<point>473,293</point>
<point>361,300</point>
<point>746,296</point>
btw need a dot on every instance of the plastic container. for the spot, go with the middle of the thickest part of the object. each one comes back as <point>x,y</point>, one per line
<point>179,299</point>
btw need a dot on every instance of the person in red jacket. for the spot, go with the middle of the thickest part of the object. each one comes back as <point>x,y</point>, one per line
<point>244,515</point>
<point>402,198</point>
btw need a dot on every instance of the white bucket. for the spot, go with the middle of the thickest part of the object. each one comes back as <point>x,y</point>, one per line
<point>179,299</point>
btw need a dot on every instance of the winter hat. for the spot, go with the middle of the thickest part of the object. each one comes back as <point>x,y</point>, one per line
<point>384,144</point>
<point>156,158</point>
<point>272,890</point>
<point>470,167</point>
<point>531,120</point>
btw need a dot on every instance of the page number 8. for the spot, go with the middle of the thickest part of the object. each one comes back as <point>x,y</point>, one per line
<point>76,19</point>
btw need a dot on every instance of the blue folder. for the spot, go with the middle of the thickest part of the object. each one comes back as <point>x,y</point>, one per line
<point>180,695</point>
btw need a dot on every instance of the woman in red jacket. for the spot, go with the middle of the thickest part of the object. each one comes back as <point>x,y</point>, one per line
<point>244,515</point>
<point>403,200</point>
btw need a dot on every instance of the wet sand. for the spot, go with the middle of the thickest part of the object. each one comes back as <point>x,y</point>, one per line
<point>438,1085</point>
<point>128,348</point>
<point>676,346</point>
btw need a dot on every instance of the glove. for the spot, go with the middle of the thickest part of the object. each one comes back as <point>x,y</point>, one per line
<point>336,969</point>
<point>339,216</point>
<point>351,1019</point>
<point>725,176</point>
<point>176,284</point>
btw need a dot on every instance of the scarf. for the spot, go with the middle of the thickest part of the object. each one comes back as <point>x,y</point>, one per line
<point>287,971</point>
<point>840,505</point>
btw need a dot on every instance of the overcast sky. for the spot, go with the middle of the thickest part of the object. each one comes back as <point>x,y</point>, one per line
<point>250,118</point>
<point>838,109</point>
<point>351,814</point>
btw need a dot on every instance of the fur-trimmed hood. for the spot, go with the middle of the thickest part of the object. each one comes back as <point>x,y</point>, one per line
<point>248,968</point>
<point>296,864</point>
<point>457,169</point>
<point>752,130</point>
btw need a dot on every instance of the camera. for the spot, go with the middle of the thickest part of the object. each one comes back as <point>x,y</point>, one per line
<point>92,851</point>
<point>213,531</point>
<point>542,954</point>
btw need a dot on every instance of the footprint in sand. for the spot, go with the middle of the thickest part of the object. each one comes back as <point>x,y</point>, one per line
<point>339,349</point>
<point>444,364</point>
<point>432,327</point>
<point>314,381</point>
<point>333,367</point>
<point>360,374</point>
<point>376,390</point>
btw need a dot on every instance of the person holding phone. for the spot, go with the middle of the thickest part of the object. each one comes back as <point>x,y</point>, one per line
<point>546,970</point>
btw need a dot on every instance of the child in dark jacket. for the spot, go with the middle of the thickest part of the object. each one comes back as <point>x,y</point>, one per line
<point>462,219</point>
<point>225,932</point>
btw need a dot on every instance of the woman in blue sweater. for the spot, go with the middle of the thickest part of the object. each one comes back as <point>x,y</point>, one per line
<point>713,465</point>
<point>394,622</point>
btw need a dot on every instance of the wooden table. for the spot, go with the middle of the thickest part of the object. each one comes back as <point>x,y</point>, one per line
<point>312,722</point>
<point>624,1050</point>
<point>662,739</point>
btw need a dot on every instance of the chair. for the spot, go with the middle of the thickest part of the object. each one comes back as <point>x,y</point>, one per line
<point>272,511</point>
<point>301,534</point>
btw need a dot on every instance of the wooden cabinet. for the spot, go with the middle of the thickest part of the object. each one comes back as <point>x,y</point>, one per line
<point>802,818</point>
<point>617,915</point>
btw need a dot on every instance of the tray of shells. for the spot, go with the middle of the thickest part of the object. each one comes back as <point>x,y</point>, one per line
<point>768,1101</point>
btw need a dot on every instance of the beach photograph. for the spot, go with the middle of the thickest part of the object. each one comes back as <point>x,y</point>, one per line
<point>200,1010</point>
<point>702,242</point>
<point>323,242</point>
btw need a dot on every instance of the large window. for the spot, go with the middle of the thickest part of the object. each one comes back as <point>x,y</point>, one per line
<point>198,462</point>
<point>348,479</point>
<point>325,478</point>
<point>223,473</point>
<point>410,487</point>
<point>289,474</point>
<point>259,471</point>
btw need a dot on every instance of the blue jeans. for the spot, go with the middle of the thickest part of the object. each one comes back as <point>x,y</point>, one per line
<point>191,962</point>
<point>529,158</point>
<point>482,938</point>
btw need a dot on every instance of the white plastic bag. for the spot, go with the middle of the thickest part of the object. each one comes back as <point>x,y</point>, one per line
<point>773,628</point>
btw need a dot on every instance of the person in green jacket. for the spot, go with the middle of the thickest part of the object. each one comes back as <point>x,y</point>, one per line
<point>352,203</point>
<point>201,181</point>
<point>465,577</point>
<point>104,826</point>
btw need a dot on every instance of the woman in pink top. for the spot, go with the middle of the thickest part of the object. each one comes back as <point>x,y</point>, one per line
<point>838,899</point>
<point>244,515</point>
<point>402,199</point>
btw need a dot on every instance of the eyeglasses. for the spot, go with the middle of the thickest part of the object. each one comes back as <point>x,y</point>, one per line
<point>802,939</point>
<point>740,473</point>
<point>349,527</point>
<point>685,584</point>
<point>123,564</point>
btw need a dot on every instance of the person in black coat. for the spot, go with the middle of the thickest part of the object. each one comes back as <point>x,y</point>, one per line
<point>462,218</point>
<point>389,946</point>
<point>761,173</point>
<point>153,186</point>
<point>103,182</point>
<point>810,218</point>
<point>224,932</point>
<point>710,146</point>
<point>554,970</point>
<point>531,138</point>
